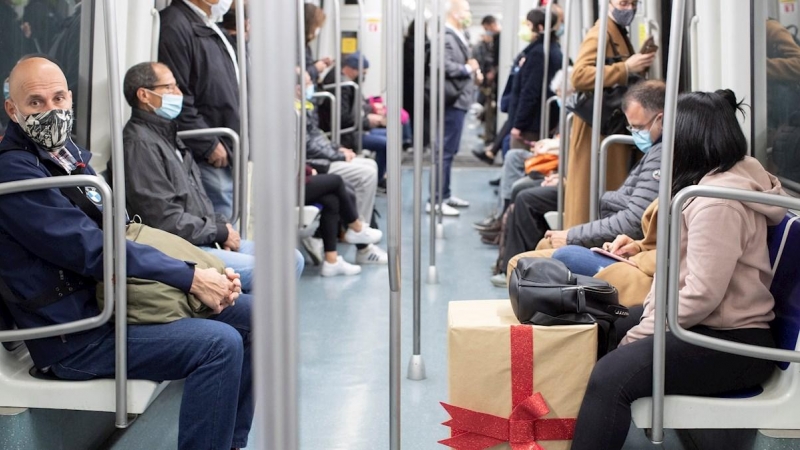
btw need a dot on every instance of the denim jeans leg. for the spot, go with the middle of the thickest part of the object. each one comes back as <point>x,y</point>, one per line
<point>243,261</point>
<point>375,141</point>
<point>213,355</point>
<point>299,263</point>
<point>453,127</point>
<point>218,183</point>
<point>581,260</point>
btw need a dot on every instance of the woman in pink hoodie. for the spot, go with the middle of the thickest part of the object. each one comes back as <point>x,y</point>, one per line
<point>725,277</point>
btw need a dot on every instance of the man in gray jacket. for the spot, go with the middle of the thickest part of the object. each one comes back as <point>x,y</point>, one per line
<point>162,181</point>
<point>621,210</point>
<point>459,68</point>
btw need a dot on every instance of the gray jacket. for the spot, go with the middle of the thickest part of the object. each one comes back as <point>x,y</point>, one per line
<point>164,191</point>
<point>456,55</point>
<point>622,210</point>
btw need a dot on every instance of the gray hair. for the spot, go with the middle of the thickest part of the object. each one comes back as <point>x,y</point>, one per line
<point>142,75</point>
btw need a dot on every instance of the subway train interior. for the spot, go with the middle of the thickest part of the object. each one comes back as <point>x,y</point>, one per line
<point>375,186</point>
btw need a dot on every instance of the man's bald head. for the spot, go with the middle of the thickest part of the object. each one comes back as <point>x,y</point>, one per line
<point>457,12</point>
<point>36,85</point>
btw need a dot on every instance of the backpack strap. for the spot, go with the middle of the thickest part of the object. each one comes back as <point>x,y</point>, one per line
<point>75,194</point>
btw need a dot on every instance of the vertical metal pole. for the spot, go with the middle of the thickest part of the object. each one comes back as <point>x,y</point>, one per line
<point>597,113</point>
<point>664,199</point>
<point>433,75</point>
<point>416,366</point>
<point>301,145</point>
<point>360,81</point>
<point>118,167</point>
<point>337,54</point>
<point>240,167</point>
<point>394,63</point>
<point>274,314</point>
<point>544,125</point>
<point>440,146</point>
<point>564,137</point>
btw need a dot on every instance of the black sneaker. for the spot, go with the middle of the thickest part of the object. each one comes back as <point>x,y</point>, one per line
<point>480,154</point>
<point>381,186</point>
<point>495,182</point>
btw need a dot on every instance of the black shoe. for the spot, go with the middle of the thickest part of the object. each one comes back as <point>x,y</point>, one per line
<point>491,240</point>
<point>381,186</point>
<point>495,182</point>
<point>482,224</point>
<point>480,154</point>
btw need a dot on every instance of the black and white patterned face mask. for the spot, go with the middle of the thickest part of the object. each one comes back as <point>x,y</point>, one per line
<point>49,129</point>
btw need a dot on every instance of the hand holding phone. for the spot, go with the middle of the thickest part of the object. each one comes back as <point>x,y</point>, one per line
<point>613,256</point>
<point>649,46</point>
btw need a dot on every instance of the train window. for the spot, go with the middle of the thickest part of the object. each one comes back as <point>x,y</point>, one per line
<point>783,91</point>
<point>60,29</point>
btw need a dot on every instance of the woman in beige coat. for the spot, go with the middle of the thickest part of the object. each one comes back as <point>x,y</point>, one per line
<point>620,15</point>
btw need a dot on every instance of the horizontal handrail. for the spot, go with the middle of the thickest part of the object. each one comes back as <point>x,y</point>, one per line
<point>753,351</point>
<point>15,187</point>
<point>237,162</point>
<point>602,174</point>
<point>356,102</point>
<point>334,104</point>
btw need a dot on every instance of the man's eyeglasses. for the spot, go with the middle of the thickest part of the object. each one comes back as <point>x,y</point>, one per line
<point>646,126</point>
<point>169,86</point>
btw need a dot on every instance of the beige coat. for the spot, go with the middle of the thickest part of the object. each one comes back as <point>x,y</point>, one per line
<point>576,203</point>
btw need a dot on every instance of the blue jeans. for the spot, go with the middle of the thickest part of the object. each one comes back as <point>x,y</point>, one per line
<point>375,140</point>
<point>453,126</point>
<point>243,261</point>
<point>218,183</point>
<point>213,355</point>
<point>581,260</point>
<point>299,263</point>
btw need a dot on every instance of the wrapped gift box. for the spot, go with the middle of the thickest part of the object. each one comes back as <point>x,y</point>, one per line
<point>514,386</point>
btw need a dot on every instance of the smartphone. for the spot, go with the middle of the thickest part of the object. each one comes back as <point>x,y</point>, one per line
<point>613,256</point>
<point>649,46</point>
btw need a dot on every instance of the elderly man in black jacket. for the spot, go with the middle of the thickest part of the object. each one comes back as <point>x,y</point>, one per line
<point>162,179</point>
<point>206,69</point>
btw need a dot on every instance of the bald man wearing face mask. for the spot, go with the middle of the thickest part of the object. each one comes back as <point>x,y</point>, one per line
<point>52,259</point>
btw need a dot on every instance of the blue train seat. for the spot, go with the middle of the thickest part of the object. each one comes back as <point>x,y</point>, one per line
<point>774,406</point>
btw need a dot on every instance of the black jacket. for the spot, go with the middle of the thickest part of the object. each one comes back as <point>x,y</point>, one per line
<point>528,85</point>
<point>348,107</point>
<point>164,191</point>
<point>205,74</point>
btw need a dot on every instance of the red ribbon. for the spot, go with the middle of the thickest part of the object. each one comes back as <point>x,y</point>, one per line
<point>473,430</point>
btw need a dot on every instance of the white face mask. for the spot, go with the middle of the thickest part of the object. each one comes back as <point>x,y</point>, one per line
<point>219,10</point>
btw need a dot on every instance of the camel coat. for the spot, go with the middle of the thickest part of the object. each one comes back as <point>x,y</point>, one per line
<point>632,283</point>
<point>576,200</point>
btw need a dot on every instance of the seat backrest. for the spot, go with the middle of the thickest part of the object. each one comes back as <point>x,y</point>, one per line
<point>784,246</point>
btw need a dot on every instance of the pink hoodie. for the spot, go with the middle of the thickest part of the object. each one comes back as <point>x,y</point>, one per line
<point>725,272</point>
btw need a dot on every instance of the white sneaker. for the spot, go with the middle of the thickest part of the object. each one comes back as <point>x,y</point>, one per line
<point>367,235</point>
<point>314,248</point>
<point>341,267</point>
<point>456,202</point>
<point>372,255</point>
<point>447,210</point>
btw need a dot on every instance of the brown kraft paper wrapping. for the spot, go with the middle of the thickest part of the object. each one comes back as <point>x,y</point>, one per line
<point>480,361</point>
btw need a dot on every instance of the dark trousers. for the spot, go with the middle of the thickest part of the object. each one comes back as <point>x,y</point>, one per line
<point>375,140</point>
<point>453,126</point>
<point>526,226</point>
<point>626,374</point>
<point>329,191</point>
<point>213,355</point>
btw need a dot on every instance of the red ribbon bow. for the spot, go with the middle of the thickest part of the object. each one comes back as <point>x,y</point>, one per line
<point>473,430</point>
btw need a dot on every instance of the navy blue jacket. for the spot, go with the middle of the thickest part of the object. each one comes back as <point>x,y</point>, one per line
<point>527,90</point>
<point>47,242</point>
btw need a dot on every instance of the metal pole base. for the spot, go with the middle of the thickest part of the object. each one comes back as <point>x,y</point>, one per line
<point>416,368</point>
<point>433,275</point>
<point>439,231</point>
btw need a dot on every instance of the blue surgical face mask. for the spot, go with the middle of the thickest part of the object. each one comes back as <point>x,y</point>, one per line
<point>6,90</point>
<point>642,139</point>
<point>310,92</point>
<point>171,106</point>
<point>559,102</point>
<point>560,30</point>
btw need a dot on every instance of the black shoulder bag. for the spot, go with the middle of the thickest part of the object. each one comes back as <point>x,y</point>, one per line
<point>544,292</point>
